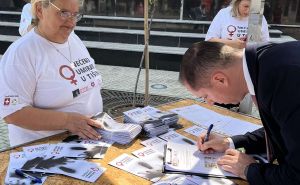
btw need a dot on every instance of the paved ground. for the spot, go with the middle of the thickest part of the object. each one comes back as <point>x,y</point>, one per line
<point>123,78</point>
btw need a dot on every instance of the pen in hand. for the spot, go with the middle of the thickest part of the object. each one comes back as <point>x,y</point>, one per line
<point>208,133</point>
<point>26,175</point>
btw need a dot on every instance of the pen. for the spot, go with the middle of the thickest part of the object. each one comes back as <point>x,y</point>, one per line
<point>208,133</point>
<point>26,175</point>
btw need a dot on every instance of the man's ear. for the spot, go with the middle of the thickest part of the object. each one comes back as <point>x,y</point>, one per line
<point>219,79</point>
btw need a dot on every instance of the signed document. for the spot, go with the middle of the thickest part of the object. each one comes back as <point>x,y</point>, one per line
<point>187,159</point>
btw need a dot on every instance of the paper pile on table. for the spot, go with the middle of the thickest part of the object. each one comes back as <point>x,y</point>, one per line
<point>62,158</point>
<point>139,167</point>
<point>117,132</point>
<point>153,121</point>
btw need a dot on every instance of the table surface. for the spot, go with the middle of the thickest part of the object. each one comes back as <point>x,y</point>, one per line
<point>113,175</point>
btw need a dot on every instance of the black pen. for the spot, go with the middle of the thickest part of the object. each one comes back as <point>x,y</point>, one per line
<point>208,133</point>
<point>26,175</point>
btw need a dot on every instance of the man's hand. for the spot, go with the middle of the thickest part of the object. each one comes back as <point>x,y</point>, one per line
<point>235,162</point>
<point>215,143</point>
<point>82,126</point>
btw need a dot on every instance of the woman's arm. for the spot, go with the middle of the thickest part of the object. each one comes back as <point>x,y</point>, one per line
<point>41,119</point>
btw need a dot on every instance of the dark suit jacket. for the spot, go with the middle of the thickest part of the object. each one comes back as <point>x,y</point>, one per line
<point>275,72</point>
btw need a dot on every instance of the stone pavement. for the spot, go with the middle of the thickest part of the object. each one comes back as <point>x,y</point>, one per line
<point>161,82</point>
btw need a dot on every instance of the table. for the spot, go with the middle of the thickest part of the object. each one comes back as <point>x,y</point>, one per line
<point>113,175</point>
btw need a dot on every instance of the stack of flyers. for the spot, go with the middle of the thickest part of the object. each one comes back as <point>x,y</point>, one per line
<point>166,117</point>
<point>16,162</point>
<point>139,167</point>
<point>175,137</point>
<point>117,132</point>
<point>76,139</point>
<point>87,151</point>
<point>137,116</point>
<point>153,121</point>
<point>73,150</point>
<point>79,169</point>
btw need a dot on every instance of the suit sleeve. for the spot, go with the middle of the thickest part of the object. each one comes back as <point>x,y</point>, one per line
<point>288,171</point>
<point>284,106</point>
<point>253,142</point>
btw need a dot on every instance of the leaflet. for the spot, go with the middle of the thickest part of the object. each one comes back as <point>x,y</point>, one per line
<point>138,167</point>
<point>79,169</point>
<point>150,154</point>
<point>90,151</point>
<point>179,179</point>
<point>36,150</point>
<point>175,137</point>
<point>16,161</point>
<point>195,130</point>
<point>188,159</point>
<point>155,143</point>
<point>222,124</point>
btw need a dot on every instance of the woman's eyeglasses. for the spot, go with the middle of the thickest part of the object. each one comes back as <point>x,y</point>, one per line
<point>67,15</point>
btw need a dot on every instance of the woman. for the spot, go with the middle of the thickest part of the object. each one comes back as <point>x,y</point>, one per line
<point>57,86</point>
<point>230,25</point>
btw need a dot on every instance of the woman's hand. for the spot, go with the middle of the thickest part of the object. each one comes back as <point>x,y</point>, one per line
<point>237,43</point>
<point>215,143</point>
<point>82,126</point>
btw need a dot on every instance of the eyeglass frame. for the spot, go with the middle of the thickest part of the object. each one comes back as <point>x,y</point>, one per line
<point>66,14</point>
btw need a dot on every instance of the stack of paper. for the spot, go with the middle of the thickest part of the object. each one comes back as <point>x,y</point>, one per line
<point>139,167</point>
<point>36,161</point>
<point>153,121</point>
<point>117,132</point>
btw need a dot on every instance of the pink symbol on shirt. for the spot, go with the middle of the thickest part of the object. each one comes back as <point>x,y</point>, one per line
<point>231,29</point>
<point>6,101</point>
<point>72,77</point>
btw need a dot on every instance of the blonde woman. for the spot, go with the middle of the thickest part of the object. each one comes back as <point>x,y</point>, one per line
<point>57,86</point>
<point>230,25</point>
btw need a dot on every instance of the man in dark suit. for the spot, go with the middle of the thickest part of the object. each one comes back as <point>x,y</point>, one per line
<point>271,74</point>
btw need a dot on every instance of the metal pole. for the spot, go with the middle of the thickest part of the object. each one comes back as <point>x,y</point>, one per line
<point>181,10</point>
<point>254,36</point>
<point>146,40</point>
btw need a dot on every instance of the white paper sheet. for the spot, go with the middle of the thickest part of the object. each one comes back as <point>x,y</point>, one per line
<point>187,158</point>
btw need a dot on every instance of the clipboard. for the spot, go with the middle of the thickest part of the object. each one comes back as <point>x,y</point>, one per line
<point>170,161</point>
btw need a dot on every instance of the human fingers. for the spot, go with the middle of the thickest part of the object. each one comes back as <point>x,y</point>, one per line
<point>88,134</point>
<point>94,123</point>
<point>231,152</point>
<point>92,133</point>
<point>200,140</point>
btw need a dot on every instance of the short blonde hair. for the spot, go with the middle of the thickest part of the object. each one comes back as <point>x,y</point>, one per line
<point>45,4</point>
<point>235,8</point>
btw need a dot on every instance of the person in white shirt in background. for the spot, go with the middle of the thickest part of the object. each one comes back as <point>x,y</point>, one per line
<point>49,82</point>
<point>230,25</point>
<point>26,20</point>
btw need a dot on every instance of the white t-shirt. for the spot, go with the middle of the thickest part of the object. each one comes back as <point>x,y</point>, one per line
<point>33,73</point>
<point>26,18</point>
<point>225,26</point>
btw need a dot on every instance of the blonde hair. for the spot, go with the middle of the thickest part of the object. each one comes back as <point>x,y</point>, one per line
<point>235,8</point>
<point>45,4</point>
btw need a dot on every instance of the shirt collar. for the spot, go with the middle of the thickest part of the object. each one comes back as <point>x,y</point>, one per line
<point>247,76</point>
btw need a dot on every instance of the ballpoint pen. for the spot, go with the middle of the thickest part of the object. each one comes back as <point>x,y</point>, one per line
<point>208,133</point>
<point>26,175</point>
